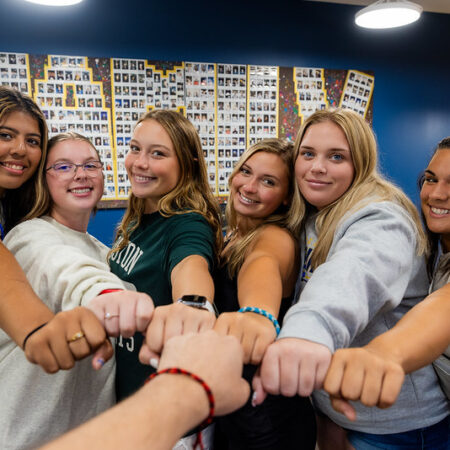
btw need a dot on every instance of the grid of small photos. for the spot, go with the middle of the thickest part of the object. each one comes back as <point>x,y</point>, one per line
<point>232,106</point>
<point>309,85</point>
<point>357,92</point>
<point>231,119</point>
<point>14,71</point>
<point>72,101</point>
<point>263,103</point>
<point>201,110</point>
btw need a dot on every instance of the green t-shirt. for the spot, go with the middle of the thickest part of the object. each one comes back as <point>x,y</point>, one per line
<point>155,248</point>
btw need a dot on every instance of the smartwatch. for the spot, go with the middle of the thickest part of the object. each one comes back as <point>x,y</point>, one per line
<point>198,301</point>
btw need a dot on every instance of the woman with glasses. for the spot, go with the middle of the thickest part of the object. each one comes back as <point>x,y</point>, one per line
<point>67,268</point>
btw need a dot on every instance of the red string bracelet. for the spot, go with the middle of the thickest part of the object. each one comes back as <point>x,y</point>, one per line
<point>209,394</point>
<point>108,291</point>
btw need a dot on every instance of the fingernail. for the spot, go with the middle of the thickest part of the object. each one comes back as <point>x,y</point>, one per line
<point>100,362</point>
<point>154,363</point>
<point>254,399</point>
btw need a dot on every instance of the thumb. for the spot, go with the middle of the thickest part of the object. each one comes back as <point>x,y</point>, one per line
<point>259,394</point>
<point>344,407</point>
<point>102,354</point>
<point>148,357</point>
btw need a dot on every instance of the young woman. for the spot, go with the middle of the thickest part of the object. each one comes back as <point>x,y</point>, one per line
<point>259,267</point>
<point>67,268</point>
<point>23,143</point>
<point>168,239</point>
<point>374,374</point>
<point>362,270</point>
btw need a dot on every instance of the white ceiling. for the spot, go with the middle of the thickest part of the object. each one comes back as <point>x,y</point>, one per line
<point>437,6</point>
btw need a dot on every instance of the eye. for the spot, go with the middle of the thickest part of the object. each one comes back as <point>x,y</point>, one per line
<point>244,170</point>
<point>268,182</point>
<point>337,157</point>
<point>34,142</point>
<point>134,148</point>
<point>63,167</point>
<point>430,180</point>
<point>158,153</point>
<point>307,154</point>
<point>4,135</point>
<point>93,165</point>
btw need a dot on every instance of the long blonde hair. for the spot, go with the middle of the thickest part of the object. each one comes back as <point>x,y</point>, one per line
<point>282,217</point>
<point>192,192</point>
<point>44,202</point>
<point>367,186</point>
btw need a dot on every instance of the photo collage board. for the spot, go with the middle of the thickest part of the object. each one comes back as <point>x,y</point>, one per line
<point>232,106</point>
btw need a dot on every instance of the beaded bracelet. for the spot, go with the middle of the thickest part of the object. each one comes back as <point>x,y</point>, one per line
<point>108,291</point>
<point>209,394</point>
<point>31,333</point>
<point>263,313</point>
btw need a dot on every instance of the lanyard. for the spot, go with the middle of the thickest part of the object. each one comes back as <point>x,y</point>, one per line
<point>2,232</point>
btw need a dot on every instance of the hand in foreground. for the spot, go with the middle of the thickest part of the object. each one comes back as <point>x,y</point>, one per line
<point>169,321</point>
<point>291,367</point>
<point>68,337</point>
<point>254,332</point>
<point>217,360</point>
<point>123,312</point>
<point>364,375</point>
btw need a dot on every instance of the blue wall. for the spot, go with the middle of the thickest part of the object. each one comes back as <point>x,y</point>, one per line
<point>411,64</point>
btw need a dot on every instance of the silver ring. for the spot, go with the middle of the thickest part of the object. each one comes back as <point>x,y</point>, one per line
<point>109,315</point>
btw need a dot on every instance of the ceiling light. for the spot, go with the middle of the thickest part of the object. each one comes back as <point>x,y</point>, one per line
<point>55,2</point>
<point>388,14</point>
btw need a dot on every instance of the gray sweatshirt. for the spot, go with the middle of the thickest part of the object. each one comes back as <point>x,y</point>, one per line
<point>372,276</point>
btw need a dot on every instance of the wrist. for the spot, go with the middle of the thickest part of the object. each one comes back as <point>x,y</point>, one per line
<point>199,302</point>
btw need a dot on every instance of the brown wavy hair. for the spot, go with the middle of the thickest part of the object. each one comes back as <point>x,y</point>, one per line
<point>192,192</point>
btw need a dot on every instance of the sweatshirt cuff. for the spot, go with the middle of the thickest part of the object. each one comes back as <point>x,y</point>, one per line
<point>307,325</point>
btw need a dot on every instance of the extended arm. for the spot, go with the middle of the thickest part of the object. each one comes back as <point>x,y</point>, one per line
<point>170,405</point>
<point>265,277</point>
<point>374,373</point>
<point>21,310</point>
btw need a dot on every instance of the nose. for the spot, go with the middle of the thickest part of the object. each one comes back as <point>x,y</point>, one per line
<point>318,166</point>
<point>19,148</point>
<point>439,191</point>
<point>250,185</point>
<point>141,160</point>
<point>79,172</point>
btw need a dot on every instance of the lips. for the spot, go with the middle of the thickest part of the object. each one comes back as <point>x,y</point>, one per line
<point>247,200</point>
<point>142,178</point>
<point>14,167</point>
<point>439,211</point>
<point>82,190</point>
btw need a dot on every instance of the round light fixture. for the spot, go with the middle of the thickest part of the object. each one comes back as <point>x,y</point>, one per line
<point>55,2</point>
<point>388,14</point>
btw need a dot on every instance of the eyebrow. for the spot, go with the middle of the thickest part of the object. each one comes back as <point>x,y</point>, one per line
<point>151,146</point>
<point>264,174</point>
<point>430,172</point>
<point>334,149</point>
<point>17,131</point>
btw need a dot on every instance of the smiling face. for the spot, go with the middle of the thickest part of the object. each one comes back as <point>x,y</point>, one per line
<point>260,186</point>
<point>435,196</point>
<point>324,169</point>
<point>73,195</point>
<point>152,164</point>
<point>20,149</point>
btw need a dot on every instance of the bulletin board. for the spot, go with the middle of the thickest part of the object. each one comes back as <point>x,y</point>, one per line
<point>231,105</point>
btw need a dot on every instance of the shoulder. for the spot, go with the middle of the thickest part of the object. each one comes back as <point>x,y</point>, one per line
<point>275,240</point>
<point>189,221</point>
<point>378,215</point>
<point>37,225</point>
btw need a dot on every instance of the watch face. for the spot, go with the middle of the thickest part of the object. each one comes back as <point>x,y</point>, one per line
<point>199,300</point>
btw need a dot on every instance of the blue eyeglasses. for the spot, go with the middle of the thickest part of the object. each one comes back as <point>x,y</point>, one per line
<point>67,169</point>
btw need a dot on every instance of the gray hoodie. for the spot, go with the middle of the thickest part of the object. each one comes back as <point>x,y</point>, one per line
<point>372,276</point>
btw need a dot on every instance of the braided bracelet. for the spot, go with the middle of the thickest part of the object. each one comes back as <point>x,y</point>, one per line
<point>31,333</point>
<point>264,313</point>
<point>209,394</point>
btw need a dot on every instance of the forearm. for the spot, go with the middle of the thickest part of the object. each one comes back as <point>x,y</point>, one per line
<point>20,308</point>
<point>420,336</point>
<point>260,285</point>
<point>191,276</point>
<point>155,417</point>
